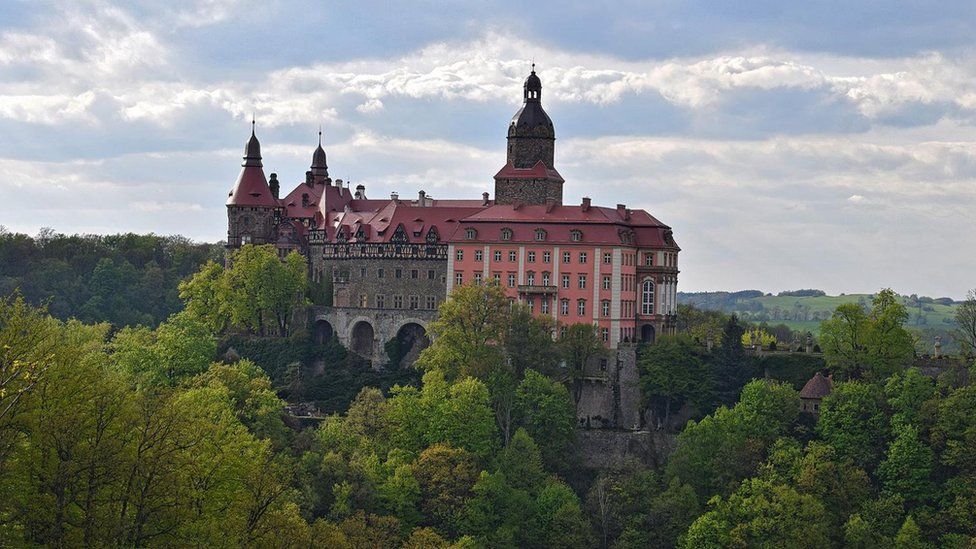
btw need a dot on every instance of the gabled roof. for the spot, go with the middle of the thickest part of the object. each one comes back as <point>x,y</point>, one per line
<point>538,171</point>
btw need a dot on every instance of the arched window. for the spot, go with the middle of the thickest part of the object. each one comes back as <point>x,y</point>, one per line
<point>506,234</point>
<point>647,297</point>
<point>470,234</point>
<point>540,235</point>
<point>576,235</point>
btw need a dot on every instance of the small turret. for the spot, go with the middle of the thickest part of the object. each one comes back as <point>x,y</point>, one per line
<point>320,168</point>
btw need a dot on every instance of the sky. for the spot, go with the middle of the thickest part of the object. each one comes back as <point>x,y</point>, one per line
<point>825,144</point>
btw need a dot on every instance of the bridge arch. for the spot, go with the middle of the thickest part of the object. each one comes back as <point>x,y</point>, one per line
<point>362,338</point>
<point>323,331</point>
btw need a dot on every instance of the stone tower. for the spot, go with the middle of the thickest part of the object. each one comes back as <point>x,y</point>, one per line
<point>251,204</point>
<point>529,175</point>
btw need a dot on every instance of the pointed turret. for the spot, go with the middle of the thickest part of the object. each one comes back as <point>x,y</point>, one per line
<point>251,188</point>
<point>320,167</point>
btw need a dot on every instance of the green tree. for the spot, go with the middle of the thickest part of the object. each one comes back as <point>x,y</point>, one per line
<point>446,477</point>
<point>578,346</point>
<point>464,419</point>
<point>671,373</point>
<point>853,421</point>
<point>204,299</point>
<point>545,410</point>
<point>761,514</point>
<point>907,467</point>
<point>966,321</point>
<point>842,339</point>
<point>467,335</point>
<point>715,454</point>
<point>889,346</point>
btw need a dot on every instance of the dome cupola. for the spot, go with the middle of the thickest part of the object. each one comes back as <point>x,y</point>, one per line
<point>252,150</point>
<point>319,166</point>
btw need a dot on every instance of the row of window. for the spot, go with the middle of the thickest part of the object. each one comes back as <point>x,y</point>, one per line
<point>541,235</point>
<point>398,273</point>
<point>413,301</point>
<point>531,256</point>
<point>545,279</point>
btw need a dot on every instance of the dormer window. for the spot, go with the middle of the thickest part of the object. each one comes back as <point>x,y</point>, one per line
<point>576,235</point>
<point>506,234</point>
<point>470,234</point>
<point>540,235</point>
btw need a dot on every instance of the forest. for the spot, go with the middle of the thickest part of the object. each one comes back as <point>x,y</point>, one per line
<point>155,434</point>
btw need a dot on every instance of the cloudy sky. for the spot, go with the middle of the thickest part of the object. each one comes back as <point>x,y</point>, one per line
<point>827,144</point>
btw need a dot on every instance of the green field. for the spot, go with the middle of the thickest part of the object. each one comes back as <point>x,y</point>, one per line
<point>927,318</point>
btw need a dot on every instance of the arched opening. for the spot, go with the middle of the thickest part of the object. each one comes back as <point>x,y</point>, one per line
<point>647,333</point>
<point>323,332</point>
<point>362,338</point>
<point>411,338</point>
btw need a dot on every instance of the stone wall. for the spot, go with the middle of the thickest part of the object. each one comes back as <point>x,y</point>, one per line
<point>604,449</point>
<point>256,221</point>
<point>355,277</point>
<point>528,191</point>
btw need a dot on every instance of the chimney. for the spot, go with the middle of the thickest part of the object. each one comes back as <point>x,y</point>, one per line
<point>394,196</point>
<point>361,191</point>
<point>339,183</point>
<point>422,199</point>
<point>275,187</point>
<point>622,211</point>
<point>586,204</point>
<point>484,199</point>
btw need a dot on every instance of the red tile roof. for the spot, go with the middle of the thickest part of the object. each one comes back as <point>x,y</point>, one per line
<point>251,189</point>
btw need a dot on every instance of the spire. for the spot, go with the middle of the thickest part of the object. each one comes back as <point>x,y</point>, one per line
<point>532,87</point>
<point>252,150</point>
<point>319,165</point>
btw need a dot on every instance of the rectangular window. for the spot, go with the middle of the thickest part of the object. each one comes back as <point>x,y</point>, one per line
<point>649,259</point>
<point>398,302</point>
<point>582,257</point>
<point>605,308</point>
<point>531,257</point>
<point>530,278</point>
<point>362,272</point>
<point>567,257</point>
<point>582,282</point>
<point>431,302</point>
<point>380,301</point>
<point>497,277</point>
<point>414,302</point>
<point>511,280</point>
<point>565,281</point>
<point>459,278</point>
<point>414,274</point>
<point>380,273</point>
<point>363,301</point>
<point>606,283</point>
<point>564,307</point>
<point>459,255</point>
<point>398,273</point>
<point>478,255</point>
<point>607,258</point>
<point>530,303</point>
<point>544,306</point>
<point>605,336</point>
<point>477,278</point>
<point>547,257</point>
<point>545,278</point>
<point>431,274</point>
<point>581,307</point>
<point>512,256</point>
<point>497,255</point>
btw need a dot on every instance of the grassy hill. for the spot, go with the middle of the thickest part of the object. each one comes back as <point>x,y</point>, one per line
<point>929,316</point>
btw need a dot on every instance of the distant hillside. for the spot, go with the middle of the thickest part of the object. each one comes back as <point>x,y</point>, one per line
<point>805,309</point>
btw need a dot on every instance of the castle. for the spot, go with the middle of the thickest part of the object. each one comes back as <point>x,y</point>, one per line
<point>393,260</point>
